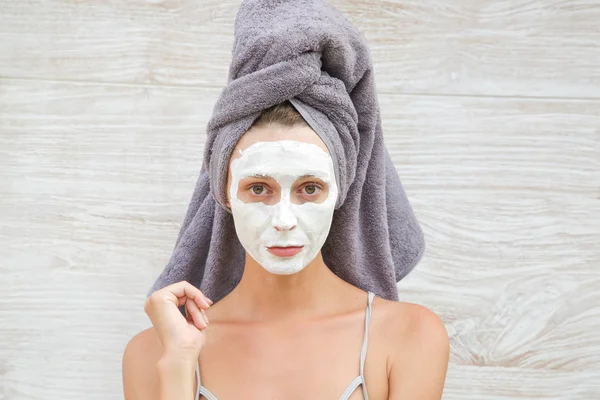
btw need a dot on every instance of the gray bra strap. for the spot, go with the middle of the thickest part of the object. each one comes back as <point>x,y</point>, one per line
<point>363,352</point>
<point>198,381</point>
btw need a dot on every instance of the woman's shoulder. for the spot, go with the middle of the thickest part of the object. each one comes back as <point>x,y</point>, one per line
<point>408,330</point>
<point>140,357</point>
<point>144,344</point>
<point>416,343</point>
<point>409,319</point>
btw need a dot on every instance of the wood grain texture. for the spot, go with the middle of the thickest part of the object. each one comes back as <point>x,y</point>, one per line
<point>505,48</point>
<point>491,114</point>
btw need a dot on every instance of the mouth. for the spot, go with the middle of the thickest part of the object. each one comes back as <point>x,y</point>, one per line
<point>287,251</point>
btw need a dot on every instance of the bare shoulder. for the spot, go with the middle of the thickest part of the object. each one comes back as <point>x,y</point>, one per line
<point>417,347</point>
<point>140,379</point>
<point>414,323</point>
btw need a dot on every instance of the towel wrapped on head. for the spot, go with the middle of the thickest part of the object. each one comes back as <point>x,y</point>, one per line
<point>307,52</point>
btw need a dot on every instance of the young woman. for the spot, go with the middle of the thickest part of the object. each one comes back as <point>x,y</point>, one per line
<point>291,328</point>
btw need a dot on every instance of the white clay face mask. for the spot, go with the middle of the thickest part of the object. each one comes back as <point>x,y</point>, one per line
<point>280,214</point>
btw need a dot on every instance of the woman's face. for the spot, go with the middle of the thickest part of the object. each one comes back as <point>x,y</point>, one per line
<point>282,193</point>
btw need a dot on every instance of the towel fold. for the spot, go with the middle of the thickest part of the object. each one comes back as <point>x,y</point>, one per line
<point>307,52</point>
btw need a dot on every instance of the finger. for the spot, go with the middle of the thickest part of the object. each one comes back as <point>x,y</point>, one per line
<point>186,289</point>
<point>187,315</point>
<point>201,304</point>
<point>196,314</point>
<point>199,298</point>
<point>182,300</point>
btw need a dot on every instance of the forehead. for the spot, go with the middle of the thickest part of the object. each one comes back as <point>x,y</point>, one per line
<point>282,158</point>
<point>276,132</point>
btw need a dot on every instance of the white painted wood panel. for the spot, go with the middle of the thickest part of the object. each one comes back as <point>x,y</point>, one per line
<point>492,116</point>
<point>517,47</point>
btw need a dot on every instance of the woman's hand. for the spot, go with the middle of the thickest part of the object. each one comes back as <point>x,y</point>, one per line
<point>181,337</point>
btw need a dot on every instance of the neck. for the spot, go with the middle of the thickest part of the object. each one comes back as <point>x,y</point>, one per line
<point>266,296</point>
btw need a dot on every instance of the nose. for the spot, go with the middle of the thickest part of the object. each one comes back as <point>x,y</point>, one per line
<point>283,216</point>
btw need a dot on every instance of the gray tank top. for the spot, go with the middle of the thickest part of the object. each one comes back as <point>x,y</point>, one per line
<point>358,381</point>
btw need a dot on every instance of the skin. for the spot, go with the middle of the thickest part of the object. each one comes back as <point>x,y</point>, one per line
<point>299,336</point>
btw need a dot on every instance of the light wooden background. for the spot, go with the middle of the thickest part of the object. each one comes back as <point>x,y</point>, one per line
<point>491,110</point>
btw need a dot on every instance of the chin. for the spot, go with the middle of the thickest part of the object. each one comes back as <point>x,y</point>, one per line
<point>284,271</point>
<point>279,266</point>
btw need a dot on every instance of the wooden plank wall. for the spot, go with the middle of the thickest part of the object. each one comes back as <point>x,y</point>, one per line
<point>491,110</point>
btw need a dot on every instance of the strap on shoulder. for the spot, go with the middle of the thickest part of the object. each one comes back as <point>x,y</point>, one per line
<point>363,352</point>
<point>198,381</point>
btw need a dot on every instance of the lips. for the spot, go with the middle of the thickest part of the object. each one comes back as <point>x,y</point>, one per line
<point>287,251</point>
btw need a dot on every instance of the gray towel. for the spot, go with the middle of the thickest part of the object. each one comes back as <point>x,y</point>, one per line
<point>307,52</point>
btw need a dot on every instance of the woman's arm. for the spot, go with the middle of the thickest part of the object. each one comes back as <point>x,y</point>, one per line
<point>150,374</point>
<point>420,361</point>
<point>175,379</point>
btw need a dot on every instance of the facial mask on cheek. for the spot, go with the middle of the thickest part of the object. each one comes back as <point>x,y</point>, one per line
<point>283,224</point>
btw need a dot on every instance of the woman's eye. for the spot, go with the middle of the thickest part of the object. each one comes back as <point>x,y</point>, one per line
<point>311,189</point>
<point>258,189</point>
